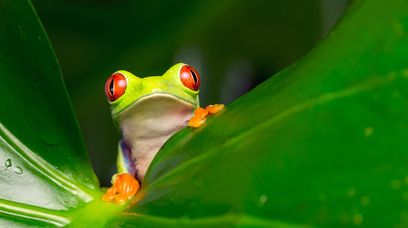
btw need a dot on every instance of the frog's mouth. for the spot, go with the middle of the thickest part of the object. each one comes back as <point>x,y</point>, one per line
<point>155,102</point>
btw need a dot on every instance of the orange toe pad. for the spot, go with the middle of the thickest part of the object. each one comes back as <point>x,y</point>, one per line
<point>200,114</point>
<point>212,109</point>
<point>198,118</point>
<point>125,186</point>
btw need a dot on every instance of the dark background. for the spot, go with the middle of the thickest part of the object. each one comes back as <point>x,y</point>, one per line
<point>234,44</point>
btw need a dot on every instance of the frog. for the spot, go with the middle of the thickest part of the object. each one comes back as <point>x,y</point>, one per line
<point>148,111</point>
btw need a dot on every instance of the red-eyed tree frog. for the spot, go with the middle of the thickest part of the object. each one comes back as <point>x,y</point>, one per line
<point>148,111</point>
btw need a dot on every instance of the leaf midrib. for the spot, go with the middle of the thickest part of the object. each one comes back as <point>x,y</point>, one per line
<point>32,212</point>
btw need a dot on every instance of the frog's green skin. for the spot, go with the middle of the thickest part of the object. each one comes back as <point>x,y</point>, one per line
<point>150,111</point>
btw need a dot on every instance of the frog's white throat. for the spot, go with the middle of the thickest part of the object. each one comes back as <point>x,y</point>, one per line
<point>149,122</point>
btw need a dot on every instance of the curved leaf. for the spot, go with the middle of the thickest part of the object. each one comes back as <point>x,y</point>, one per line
<point>44,169</point>
<point>36,107</point>
<point>322,142</point>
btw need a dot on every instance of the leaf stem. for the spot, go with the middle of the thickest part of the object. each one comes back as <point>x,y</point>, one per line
<point>32,213</point>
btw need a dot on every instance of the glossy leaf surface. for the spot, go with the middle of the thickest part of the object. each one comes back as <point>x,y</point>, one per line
<point>320,143</point>
<point>44,169</point>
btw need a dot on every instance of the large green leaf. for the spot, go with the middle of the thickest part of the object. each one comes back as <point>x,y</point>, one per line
<point>35,106</point>
<point>45,173</point>
<point>320,143</point>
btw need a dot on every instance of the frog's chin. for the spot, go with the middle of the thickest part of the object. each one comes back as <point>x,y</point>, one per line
<point>149,122</point>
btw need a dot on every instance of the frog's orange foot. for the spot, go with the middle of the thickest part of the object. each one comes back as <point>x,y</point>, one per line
<point>212,109</point>
<point>200,114</point>
<point>125,186</point>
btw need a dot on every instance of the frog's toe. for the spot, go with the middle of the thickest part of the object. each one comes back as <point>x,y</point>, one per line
<point>200,114</point>
<point>212,109</point>
<point>125,186</point>
<point>110,194</point>
<point>198,118</point>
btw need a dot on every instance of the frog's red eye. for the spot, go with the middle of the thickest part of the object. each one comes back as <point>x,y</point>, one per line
<point>115,86</point>
<point>189,77</point>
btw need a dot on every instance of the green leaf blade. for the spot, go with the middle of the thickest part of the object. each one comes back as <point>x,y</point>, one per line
<point>45,174</point>
<point>36,108</point>
<point>320,143</point>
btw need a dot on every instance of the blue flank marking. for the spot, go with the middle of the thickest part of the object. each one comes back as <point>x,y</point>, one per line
<point>127,156</point>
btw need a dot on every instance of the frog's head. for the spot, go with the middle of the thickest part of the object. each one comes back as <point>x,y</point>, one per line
<point>124,89</point>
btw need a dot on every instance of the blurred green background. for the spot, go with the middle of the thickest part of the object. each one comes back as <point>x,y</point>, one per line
<point>234,44</point>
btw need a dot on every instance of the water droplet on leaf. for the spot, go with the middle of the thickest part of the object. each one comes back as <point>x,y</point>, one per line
<point>7,163</point>
<point>18,170</point>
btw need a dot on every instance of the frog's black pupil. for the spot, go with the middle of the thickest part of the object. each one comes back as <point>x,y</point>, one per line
<point>111,87</point>
<point>194,76</point>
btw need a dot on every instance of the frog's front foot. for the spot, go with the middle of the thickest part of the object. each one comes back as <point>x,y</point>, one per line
<point>125,186</point>
<point>200,114</point>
